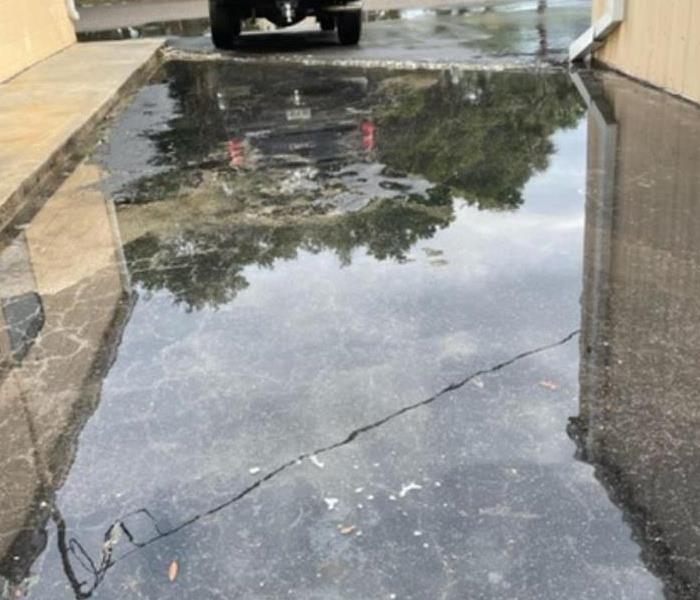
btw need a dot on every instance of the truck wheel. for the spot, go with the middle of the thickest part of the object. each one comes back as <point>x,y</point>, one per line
<point>225,24</point>
<point>327,22</point>
<point>350,27</point>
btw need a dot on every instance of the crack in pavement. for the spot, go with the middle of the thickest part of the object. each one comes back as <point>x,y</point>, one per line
<point>119,527</point>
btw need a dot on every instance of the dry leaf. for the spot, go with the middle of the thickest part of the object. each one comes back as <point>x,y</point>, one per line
<point>550,385</point>
<point>348,530</point>
<point>173,571</point>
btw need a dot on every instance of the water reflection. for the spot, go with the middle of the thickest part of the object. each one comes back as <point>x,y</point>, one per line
<point>64,300</point>
<point>266,164</point>
<point>338,270</point>
<point>640,407</point>
<point>245,168</point>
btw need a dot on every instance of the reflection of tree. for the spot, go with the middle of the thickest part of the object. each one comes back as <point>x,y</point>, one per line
<point>203,266</point>
<point>480,136</point>
<point>484,137</point>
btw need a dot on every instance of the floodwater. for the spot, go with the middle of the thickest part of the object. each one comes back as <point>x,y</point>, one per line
<point>324,333</point>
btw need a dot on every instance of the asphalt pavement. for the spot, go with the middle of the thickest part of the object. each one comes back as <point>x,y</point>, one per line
<point>511,34</point>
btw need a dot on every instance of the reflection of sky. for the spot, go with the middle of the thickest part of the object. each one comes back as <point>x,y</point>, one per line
<point>310,351</point>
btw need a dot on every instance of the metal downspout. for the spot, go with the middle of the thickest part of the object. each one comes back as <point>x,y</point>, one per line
<point>72,10</point>
<point>598,32</point>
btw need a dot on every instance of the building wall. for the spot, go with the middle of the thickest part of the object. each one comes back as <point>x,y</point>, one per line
<point>658,42</point>
<point>30,31</point>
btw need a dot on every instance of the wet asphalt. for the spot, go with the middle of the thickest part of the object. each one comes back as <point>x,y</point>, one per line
<point>321,332</point>
<point>511,35</point>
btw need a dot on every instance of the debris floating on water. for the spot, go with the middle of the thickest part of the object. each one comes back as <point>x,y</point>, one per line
<point>409,488</point>
<point>254,470</point>
<point>348,529</point>
<point>315,460</point>
<point>173,571</point>
<point>331,502</point>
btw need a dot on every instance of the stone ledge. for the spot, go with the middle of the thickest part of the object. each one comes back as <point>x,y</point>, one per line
<point>50,110</point>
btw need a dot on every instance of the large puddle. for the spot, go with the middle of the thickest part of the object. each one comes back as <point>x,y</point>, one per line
<point>324,334</point>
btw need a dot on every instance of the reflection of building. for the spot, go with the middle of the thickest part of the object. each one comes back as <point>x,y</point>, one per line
<point>656,41</point>
<point>63,303</point>
<point>639,423</point>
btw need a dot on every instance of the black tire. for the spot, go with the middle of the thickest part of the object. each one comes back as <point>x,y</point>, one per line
<point>225,24</point>
<point>350,27</point>
<point>327,22</point>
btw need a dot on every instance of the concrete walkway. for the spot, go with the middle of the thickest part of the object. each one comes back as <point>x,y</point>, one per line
<point>51,108</point>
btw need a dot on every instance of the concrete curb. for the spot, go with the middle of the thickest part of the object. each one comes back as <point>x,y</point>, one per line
<point>40,182</point>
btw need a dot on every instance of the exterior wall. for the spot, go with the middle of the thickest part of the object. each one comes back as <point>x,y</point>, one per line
<point>30,31</point>
<point>658,42</point>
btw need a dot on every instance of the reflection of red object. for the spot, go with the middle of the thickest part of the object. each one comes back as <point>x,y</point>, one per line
<point>236,150</point>
<point>369,130</point>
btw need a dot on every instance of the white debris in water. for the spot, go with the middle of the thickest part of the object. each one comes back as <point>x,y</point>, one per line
<point>392,497</point>
<point>359,490</point>
<point>438,484</point>
<point>404,65</point>
<point>254,470</point>
<point>370,497</point>
<point>314,459</point>
<point>418,533</point>
<point>478,382</point>
<point>331,502</point>
<point>409,488</point>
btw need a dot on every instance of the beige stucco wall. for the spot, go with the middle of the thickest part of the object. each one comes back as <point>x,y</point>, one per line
<point>658,42</point>
<point>31,30</point>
